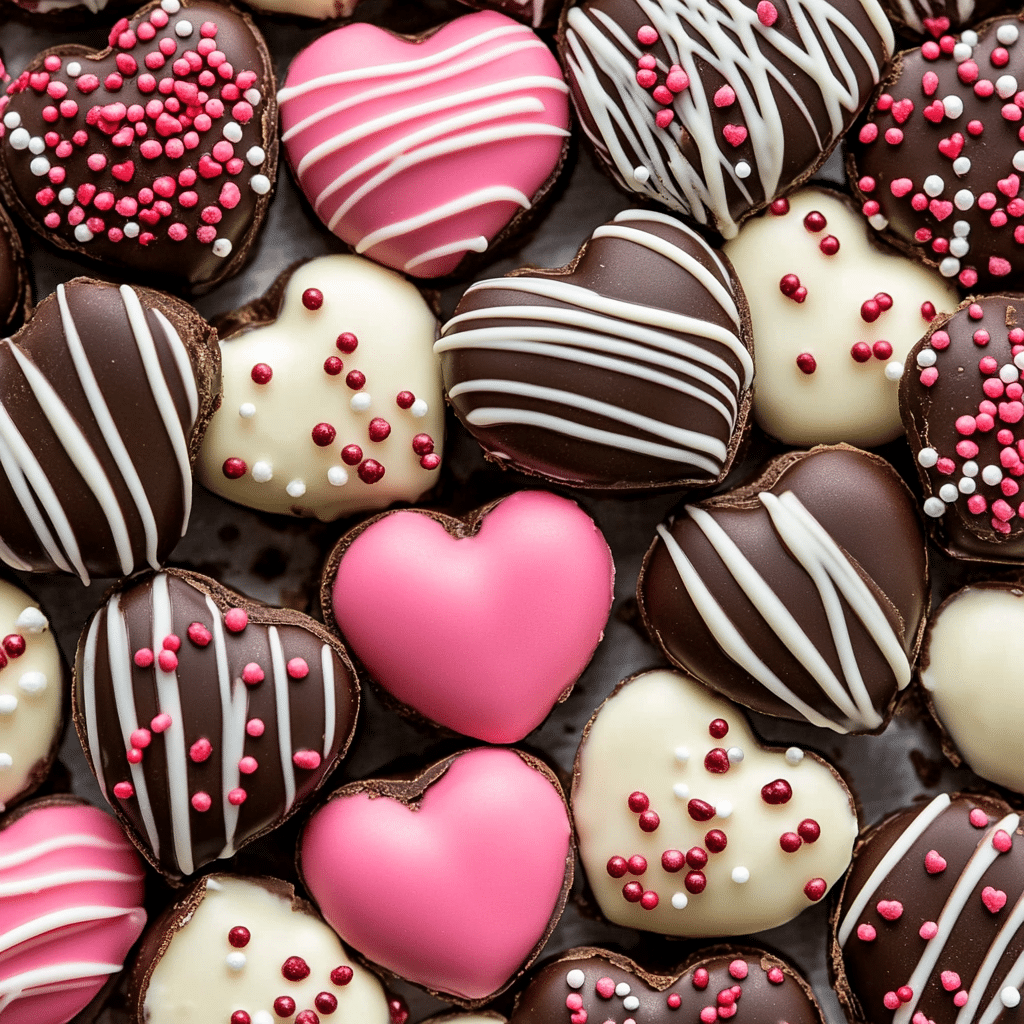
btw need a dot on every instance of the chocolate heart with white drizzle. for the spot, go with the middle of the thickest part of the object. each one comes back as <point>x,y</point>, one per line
<point>157,155</point>
<point>104,397</point>
<point>801,595</point>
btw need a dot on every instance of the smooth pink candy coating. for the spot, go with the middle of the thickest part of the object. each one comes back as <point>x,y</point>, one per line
<point>455,895</point>
<point>481,634</point>
<point>71,892</point>
<point>422,152</point>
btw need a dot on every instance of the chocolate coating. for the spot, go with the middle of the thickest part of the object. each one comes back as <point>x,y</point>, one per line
<point>781,995</point>
<point>164,155</point>
<point>15,294</point>
<point>760,105</point>
<point>305,710</point>
<point>961,401</point>
<point>104,397</point>
<point>750,617</point>
<point>931,852</point>
<point>935,156</point>
<point>934,18</point>
<point>638,377</point>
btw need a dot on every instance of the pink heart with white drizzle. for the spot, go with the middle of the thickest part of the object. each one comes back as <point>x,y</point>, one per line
<point>419,151</point>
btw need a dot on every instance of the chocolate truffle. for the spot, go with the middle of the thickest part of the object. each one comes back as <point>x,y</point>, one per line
<point>801,595</point>
<point>15,291</point>
<point>625,370</point>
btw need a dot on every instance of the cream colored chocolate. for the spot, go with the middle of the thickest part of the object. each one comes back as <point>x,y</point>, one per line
<point>31,694</point>
<point>202,977</point>
<point>261,448</point>
<point>842,399</point>
<point>974,678</point>
<point>652,738</point>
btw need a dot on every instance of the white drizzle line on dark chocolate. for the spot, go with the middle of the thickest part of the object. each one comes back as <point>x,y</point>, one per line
<point>620,337</point>
<point>809,544</point>
<point>988,969</point>
<point>727,36</point>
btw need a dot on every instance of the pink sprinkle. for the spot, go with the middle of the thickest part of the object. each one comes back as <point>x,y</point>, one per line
<point>605,988</point>
<point>255,727</point>
<point>894,136</point>
<point>124,790</point>
<point>297,668</point>
<point>252,674</point>
<point>766,13</point>
<point>946,467</point>
<point>199,634</point>
<point>677,79</point>
<point>168,661</point>
<point>976,504</point>
<point>928,930</point>
<point>725,96</point>
<point>709,1015</point>
<point>940,340</point>
<point>998,267</point>
<point>664,118</point>
<point>950,980</point>
<point>201,801</point>
<point>308,759</point>
<point>866,933</point>
<point>201,750</point>
<point>647,35</point>
<point>985,422</point>
<point>236,619</point>
<point>236,797</point>
<point>134,755</point>
<point>891,1001</point>
<point>738,969</point>
<point>929,375</point>
<point>965,425</point>
<point>171,642</point>
<point>141,738</point>
<point>248,765</point>
<point>960,998</point>
<point>161,723</point>
<point>143,657</point>
<point>868,133</point>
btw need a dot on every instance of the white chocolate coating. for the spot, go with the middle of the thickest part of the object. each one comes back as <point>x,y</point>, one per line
<point>652,736</point>
<point>974,679</point>
<point>195,982</point>
<point>269,426</point>
<point>842,400</point>
<point>31,693</point>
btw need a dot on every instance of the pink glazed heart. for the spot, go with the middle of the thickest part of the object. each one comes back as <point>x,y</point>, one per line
<point>479,625</point>
<point>417,151</point>
<point>454,880</point>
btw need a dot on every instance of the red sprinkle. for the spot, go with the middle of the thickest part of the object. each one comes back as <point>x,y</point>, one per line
<point>312,298</point>
<point>777,792</point>
<point>806,363</point>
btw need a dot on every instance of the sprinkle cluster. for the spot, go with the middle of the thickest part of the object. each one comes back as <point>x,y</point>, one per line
<point>663,89</point>
<point>12,647</point>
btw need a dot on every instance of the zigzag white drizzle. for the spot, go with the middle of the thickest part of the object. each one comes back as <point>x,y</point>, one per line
<point>753,58</point>
<point>810,545</point>
<point>619,337</point>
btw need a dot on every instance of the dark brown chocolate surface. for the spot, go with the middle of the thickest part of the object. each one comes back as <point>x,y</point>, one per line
<point>934,18</point>
<point>297,713</point>
<point>537,13</point>
<point>867,511</point>
<point>14,283</point>
<point>155,165</point>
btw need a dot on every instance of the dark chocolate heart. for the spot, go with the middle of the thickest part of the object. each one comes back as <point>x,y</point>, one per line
<point>157,155</point>
<point>801,595</point>
<point>232,713</point>
<point>104,397</point>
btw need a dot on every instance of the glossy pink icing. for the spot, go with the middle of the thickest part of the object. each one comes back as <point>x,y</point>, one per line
<point>454,895</point>
<point>484,633</point>
<point>417,153</point>
<point>71,889</point>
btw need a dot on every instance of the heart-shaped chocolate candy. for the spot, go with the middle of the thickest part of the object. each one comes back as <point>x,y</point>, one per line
<point>104,397</point>
<point>928,926</point>
<point>936,160</point>
<point>475,857</point>
<point>627,369</point>
<point>157,155</point>
<point>206,717</point>
<point>419,151</point>
<point>801,595</point>
<point>480,624</point>
<point>688,826</point>
<point>596,985</point>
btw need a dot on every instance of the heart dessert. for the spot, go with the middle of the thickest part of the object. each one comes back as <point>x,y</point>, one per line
<point>104,397</point>
<point>279,959</point>
<point>480,624</point>
<point>419,151</point>
<point>937,161</point>
<point>156,156</point>
<point>332,397</point>
<point>716,109</point>
<point>687,826</point>
<point>15,290</point>
<point>595,985</point>
<point>475,855</point>
<point>71,891</point>
<point>928,927</point>
<point>801,595</point>
<point>207,718</point>
<point>961,399</point>
<point>627,369</point>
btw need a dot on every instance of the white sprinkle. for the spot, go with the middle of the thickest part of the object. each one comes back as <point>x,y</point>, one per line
<point>222,246</point>
<point>681,790</point>
<point>961,228</point>
<point>12,119</point>
<point>682,754</point>
<point>575,978</point>
<point>622,989</point>
<point>735,755</point>
<point>131,229</point>
<point>32,682</point>
<point>1006,86</point>
<point>961,52</point>
<point>255,156</point>
<point>74,69</point>
<point>235,961</point>
<point>679,900</point>
<point>262,1017</point>
<point>40,166</point>
<point>361,402</point>
<point>794,755</point>
<point>966,485</point>
<point>631,1003</point>
<point>419,408</point>
<point>253,96</point>
<point>964,199</point>
<point>232,131</point>
<point>893,370</point>
<point>740,875</point>
<point>969,37</point>
<point>969,468</point>
<point>953,106</point>
<point>948,493</point>
<point>742,169</point>
<point>32,620</point>
<point>260,184</point>
<point>959,247</point>
<point>949,267</point>
<point>1009,997</point>
<point>1018,360</point>
<point>82,233</point>
<point>723,809</point>
<point>1007,34</point>
<point>961,165</point>
<point>19,139</point>
<point>262,472</point>
<point>337,476</point>
<point>170,6</point>
<point>878,222</point>
<point>934,507</point>
<point>296,488</point>
<point>927,457</point>
<point>641,175</point>
<point>8,703</point>
<point>6,760</point>
<point>1008,373</point>
<point>927,357</point>
<point>183,28</point>
<point>36,145</point>
<point>213,885</point>
<point>247,410</point>
<point>933,185</point>
<point>992,475</point>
